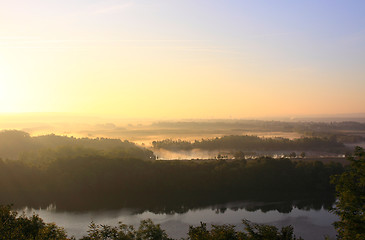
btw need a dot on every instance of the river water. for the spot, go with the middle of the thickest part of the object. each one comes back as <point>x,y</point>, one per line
<point>309,223</point>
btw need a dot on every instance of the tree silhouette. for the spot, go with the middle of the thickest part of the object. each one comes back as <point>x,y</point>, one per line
<point>350,188</point>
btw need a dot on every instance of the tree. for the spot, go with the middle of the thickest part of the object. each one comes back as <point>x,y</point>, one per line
<point>262,231</point>
<point>150,231</point>
<point>252,232</point>
<point>239,155</point>
<point>224,232</point>
<point>350,191</point>
<point>14,227</point>
<point>146,231</point>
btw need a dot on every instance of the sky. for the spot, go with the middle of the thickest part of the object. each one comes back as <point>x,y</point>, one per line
<point>182,58</point>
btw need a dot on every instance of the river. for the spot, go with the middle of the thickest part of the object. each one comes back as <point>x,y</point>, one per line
<point>309,223</point>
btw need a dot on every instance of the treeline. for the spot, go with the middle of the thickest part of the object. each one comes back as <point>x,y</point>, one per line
<point>14,227</point>
<point>99,181</point>
<point>20,145</point>
<point>340,137</point>
<point>260,125</point>
<point>254,143</point>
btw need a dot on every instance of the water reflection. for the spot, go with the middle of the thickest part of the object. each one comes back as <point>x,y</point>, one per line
<point>283,203</point>
<point>310,217</point>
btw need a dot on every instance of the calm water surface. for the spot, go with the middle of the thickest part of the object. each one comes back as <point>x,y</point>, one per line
<point>309,224</point>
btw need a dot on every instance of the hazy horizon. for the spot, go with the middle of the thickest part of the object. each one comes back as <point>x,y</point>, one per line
<point>145,131</point>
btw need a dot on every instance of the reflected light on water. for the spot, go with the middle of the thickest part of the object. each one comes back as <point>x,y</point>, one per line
<point>311,224</point>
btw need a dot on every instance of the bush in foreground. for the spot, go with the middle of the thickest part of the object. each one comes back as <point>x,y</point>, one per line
<point>14,227</point>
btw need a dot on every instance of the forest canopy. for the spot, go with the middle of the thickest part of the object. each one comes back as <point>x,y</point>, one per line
<point>254,143</point>
<point>91,181</point>
<point>20,145</point>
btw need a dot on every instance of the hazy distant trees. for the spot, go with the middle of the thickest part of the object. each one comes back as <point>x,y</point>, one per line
<point>267,126</point>
<point>11,141</point>
<point>254,143</point>
<point>19,145</point>
<point>239,155</point>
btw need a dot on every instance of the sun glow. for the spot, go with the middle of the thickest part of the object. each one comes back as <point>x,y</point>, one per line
<point>5,94</point>
<point>150,61</point>
<point>12,89</point>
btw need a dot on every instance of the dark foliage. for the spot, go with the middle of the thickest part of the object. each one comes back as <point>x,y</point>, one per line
<point>94,181</point>
<point>252,232</point>
<point>350,188</point>
<point>254,143</point>
<point>14,227</point>
<point>147,231</point>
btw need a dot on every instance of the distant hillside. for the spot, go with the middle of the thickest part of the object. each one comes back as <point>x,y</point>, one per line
<point>20,145</point>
